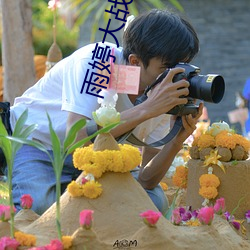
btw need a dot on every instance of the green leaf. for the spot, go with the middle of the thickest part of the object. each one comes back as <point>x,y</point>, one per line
<point>56,147</point>
<point>35,144</point>
<point>5,144</point>
<point>172,207</point>
<point>177,5</point>
<point>71,136</point>
<point>24,134</point>
<point>20,123</point>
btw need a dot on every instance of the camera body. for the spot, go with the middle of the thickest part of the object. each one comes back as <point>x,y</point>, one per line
<point>209,88</point>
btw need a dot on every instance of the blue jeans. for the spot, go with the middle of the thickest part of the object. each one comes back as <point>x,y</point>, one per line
<point>156,194</point>
<point>33,174</point>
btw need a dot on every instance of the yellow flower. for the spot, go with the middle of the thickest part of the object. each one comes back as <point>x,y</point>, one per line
<point>94,169</point>
<point>209,180</point>
<point>27,240</point>
<point>193,223</point>
<point>208,192</point>
<point>75,189</point>
<point>67,242</point>
<point>180,177</point>
<point>98,162</point>
<point>206,141</point>
<point>213,158</point>
<point>131,157</point>
<point>92,189</point>
<point>164,186</point>
<point>83,156</point>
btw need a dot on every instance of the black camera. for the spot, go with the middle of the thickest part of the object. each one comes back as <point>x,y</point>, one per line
<point>209,88</point>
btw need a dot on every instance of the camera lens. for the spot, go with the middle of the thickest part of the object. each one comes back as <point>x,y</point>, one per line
<point>209,88</point>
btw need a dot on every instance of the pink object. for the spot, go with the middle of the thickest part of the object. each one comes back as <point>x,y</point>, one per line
<point>86,218</point>
<point>5,212</point>
<point>26,201</point>
<point>150,217</point>
<point>176,217</point>
<point>206,215</point>
<point>8,243</point>
<point>219,206</point>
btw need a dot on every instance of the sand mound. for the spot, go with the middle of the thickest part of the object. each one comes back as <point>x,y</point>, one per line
<point>117,223</point>
<point>234,185</point>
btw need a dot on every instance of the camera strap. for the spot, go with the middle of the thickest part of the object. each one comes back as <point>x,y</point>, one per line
<point>131,138</point>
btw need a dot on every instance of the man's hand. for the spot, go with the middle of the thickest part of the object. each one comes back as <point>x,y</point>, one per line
<point>188,125</point>
<point>167,94</point>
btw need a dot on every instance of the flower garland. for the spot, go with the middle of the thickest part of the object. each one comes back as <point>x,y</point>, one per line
<point>180,177</point>
<point>208,186</point>
<point>95,163</point>
<point>219,136</point>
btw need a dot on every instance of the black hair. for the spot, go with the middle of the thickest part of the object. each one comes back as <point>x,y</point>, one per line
<point>161,34</point>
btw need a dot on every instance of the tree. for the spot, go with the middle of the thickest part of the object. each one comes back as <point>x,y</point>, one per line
<point>17,47</point>
<point>91,13</point>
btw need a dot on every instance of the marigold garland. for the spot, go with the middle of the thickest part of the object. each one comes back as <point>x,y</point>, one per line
<point>95,163</point>
<point>208,192</point>
<point>206,141</point>
<point>98,162</point>
<point>209,180</point>
<point>67,242</point>
<point>208,186</point>
<point>226,139</point>
<point>180,177</point>
<point>24,239</point>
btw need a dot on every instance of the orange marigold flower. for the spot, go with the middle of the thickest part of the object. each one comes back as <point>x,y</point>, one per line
<point>195,141</point>
<point>206,141</point>
<point>209,180</point>
<point>24,239</point>
<point>242,141</point>
<point>67,242</point>
<point>164,186</point>
<point>208,192</point>
<point>225,139</point>
<point>180,177</point>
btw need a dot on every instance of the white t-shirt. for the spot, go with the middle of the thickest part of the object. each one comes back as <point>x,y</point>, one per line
<point>59,91</point>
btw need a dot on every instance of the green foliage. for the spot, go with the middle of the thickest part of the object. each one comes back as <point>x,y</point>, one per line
<point>60,152</point>
<point>95,9</point>
<point>9,149</point>
<point>42,19</point>
<point>4,196</point>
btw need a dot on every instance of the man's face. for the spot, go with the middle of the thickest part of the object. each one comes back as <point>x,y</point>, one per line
<point>149,75</point>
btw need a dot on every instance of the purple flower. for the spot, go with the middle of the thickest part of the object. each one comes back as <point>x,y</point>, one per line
<point>236,224</point>
<point>228,216</point>
<point>247,214</point>
<point>195,214</point>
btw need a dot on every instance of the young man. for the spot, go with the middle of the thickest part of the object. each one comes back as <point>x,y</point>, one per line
<point>154,41</point>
